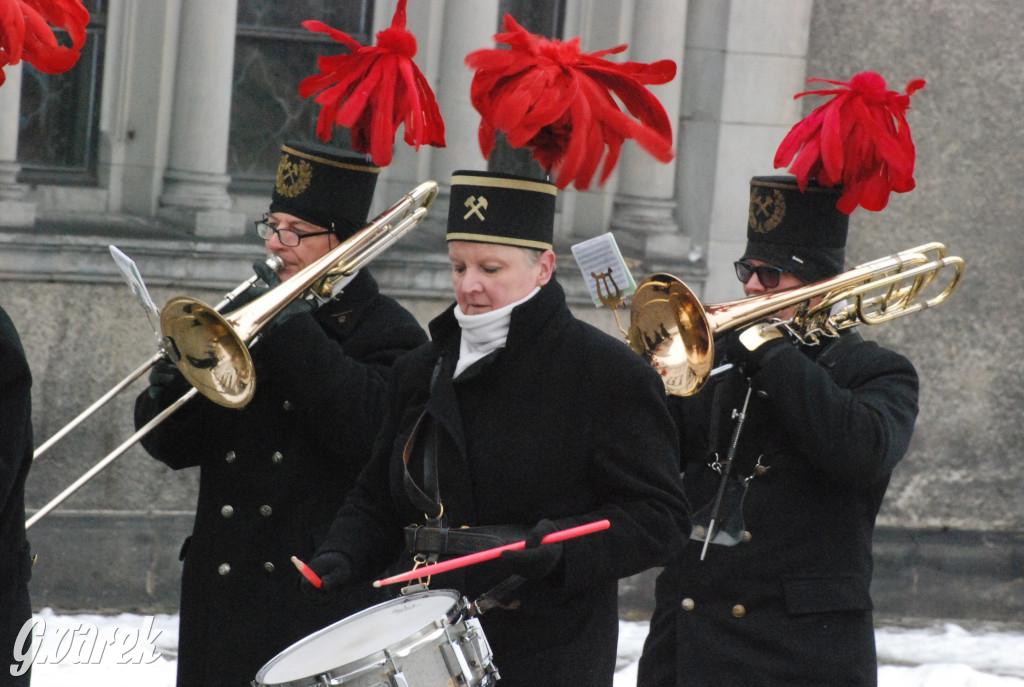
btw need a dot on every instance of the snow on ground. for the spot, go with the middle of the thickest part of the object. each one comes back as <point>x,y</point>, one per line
<point>129,650</point>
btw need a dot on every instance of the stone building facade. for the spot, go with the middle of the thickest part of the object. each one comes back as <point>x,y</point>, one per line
<point>172,123</point>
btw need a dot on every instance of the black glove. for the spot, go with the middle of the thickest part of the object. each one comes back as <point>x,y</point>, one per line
<point>166,382</point>
<point>334,570</point>
<point>296,307</point>
<point>749,347</point>
<point>536,561</point>
<point>299,306</point>
<point>264,272</point>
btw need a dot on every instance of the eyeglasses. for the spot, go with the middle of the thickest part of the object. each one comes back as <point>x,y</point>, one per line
<point>287,237</point>
<point>766,274</point>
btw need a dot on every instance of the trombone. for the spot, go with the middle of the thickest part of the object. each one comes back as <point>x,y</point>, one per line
<point>211,350</point>
<point>273,262</point>
<point>675,333</point>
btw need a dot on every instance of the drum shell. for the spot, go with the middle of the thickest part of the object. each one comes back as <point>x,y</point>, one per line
<point>443,646</point>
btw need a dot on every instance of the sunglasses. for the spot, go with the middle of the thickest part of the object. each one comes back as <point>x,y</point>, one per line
<point>766,274</point>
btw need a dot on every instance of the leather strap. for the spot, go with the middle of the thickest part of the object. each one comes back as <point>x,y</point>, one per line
<point>421,500</point>
<point>446,541</point>
<point>430,501</point>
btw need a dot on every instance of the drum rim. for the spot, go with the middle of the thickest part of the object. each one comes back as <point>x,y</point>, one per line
<point>372,660</point>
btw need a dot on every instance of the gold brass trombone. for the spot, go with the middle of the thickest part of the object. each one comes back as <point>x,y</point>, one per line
<point>211,350</point>
<point>675,333</point>
<point>273,262</point>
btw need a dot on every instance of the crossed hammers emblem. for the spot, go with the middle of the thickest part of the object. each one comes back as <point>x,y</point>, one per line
<point>475,205</point>
<point>764,204</point>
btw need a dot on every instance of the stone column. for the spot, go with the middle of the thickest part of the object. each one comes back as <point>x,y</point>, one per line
<point>15,211</point>
<point>195,184</point>
<point>644,207</point>
<point>468,25</point>
<point>762,49</point>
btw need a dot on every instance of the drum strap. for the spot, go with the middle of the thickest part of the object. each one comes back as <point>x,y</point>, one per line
<point>420,499</point>
<point>498,595</point>
<point>446,541</point>
<point>428,501</point>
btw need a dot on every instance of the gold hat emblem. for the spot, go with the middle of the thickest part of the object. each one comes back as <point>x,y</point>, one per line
<point>293,177</point>
<point>475,205</point>
<point>767,208</point>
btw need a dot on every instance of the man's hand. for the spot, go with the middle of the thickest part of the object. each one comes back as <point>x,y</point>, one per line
<point>166,383</point>
<point>266,273</point>
<point>298,306</point>
<point>750,346</point>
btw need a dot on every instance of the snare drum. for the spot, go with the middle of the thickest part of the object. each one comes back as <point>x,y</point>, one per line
<point>424,639</point>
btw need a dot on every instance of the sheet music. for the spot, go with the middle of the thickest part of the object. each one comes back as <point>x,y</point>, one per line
<point>133,278</point>
<point>601,263</point>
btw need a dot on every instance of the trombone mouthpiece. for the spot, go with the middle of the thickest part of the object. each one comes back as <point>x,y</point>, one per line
<point>267,270</point>
<point>274,262</point>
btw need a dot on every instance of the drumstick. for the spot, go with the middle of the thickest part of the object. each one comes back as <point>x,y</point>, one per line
<point>313,578</point>
<point>489,554</point>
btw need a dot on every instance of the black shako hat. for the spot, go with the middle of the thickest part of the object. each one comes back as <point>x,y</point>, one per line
<point>325,186</point>
<point>799,231</point>
<point>491,207</point>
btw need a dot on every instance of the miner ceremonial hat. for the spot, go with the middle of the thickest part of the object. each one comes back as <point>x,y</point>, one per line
<point>799,231</point>
<point>325,186</point>
<point>490,207</point>
<point>852,151</point>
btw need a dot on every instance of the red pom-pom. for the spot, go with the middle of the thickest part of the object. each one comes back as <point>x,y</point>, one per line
<point>26,33</point>
<point>859,140</point>
<point>548,96</point>
<point>373,90</point>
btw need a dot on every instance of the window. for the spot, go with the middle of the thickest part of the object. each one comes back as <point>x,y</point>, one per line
<point>59,124</point>
<point>273,53</point>
<point>545,19</point>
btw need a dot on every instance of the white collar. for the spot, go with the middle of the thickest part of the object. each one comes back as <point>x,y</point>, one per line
<point>484,333</point>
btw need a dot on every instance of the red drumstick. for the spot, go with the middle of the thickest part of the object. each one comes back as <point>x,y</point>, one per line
<point>489,554</point>
<point>313,578</point>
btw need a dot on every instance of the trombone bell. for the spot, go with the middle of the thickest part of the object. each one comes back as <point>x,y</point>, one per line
<point>669,329</point>
<point>207,351</point>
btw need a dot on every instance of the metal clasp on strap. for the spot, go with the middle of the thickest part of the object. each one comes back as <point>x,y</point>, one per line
<point>418,561</point>
<point>440,513</point>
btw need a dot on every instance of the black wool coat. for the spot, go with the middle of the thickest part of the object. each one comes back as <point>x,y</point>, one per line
<point>272,476</point>
<point>564,423</point>
<point>790,603</point>
<point>15,461</point>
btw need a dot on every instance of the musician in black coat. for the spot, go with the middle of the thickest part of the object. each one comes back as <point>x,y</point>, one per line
<point>781,595</point>
<point>532,421</point>
<point>15,461</point>
<point>273,473</point>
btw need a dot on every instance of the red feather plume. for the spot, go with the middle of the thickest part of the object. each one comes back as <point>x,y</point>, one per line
<point>26,33</point>
<point>859,139</point>
<point>548,96</point>
<point>373,90</point>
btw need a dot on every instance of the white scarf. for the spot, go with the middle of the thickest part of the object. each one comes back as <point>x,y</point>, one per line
<point>484,333</point>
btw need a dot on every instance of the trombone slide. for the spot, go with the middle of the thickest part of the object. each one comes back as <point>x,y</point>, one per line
<point>110,457</point>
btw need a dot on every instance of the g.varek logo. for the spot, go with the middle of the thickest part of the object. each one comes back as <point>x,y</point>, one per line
<point>83,643</point>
